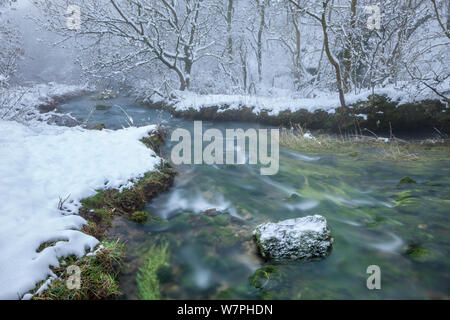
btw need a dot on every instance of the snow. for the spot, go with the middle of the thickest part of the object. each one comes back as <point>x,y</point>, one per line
<point>314,223</point>
<point>20,103</point>
<point>39,164</point>
<point>294,239</point>
<point>362,115</point>
<point>308,136</point>
<point>291,101</point>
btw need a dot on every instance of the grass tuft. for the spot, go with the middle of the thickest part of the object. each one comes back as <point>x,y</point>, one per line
<point>379,148</point>
<point>98,275</point>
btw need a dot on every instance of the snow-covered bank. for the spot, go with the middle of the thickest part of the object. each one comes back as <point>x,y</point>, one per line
<point>39,164</point>
<point>21,103</point>
<point>274,105</point>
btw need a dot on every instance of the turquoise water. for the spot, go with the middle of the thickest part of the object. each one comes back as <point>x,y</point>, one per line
<point>402,229</point>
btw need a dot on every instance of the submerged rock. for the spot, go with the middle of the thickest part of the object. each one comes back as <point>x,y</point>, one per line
<point>405,181</point>
<point>102,107</point>
<point>99,127</point>
<point>107,94</point>
<point>294,239</point>
<point>62,120</point>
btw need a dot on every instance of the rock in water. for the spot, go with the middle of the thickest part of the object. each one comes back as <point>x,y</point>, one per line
<point>294,239</point>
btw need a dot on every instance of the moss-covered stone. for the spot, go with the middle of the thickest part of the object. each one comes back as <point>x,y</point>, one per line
<point>219,237</point>
<point>156,220</point>
<point>102,107</point>
<point>98,127</point>
<point>221,220</point>
<point>139,216</point>
<point>406,181</point>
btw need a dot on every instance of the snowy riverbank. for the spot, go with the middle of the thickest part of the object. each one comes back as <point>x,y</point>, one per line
<point>293,102</point>
<point>40,165</point>
<point>387,110</point>
<point>21,103</point>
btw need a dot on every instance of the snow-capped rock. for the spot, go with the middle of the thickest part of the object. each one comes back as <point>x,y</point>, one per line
<point>309,136</point>
<point>294,239</point>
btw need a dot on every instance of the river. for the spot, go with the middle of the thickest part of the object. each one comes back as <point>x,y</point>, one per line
<point>404,231</point>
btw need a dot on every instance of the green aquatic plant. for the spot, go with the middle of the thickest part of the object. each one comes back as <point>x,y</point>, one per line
<point>153,272</point>
<point>418,252</point>
<point>262,277</point>
<point>270,282</point>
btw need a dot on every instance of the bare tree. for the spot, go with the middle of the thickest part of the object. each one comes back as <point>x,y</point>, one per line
<point>169,31</point>
<point>10,44</point>
<point>322,19</point>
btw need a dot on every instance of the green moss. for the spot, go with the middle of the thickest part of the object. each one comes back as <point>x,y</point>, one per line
<point>219,237</point>
<point>139,216</point>
<point>157,264</point>
<point>156,220</point>
<point>95,202</point>
<point>221,220</point>
<point>107,203</point>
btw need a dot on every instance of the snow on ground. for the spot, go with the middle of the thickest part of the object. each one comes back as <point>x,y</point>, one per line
<point>20,103</point>
<point>38,165</point>
<point>277,103</point>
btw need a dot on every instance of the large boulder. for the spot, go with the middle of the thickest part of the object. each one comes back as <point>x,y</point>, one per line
<point>294,239</point>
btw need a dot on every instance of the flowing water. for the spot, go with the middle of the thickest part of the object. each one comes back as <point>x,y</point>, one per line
<point>201,247</point>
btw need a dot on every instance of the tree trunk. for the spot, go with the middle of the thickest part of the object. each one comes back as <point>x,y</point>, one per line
<point>297,54</point>
<point>330,56</point>
<point>262,13</point>
<point>348,49</point>
<point>229,29</point>
<point>323,21</point>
